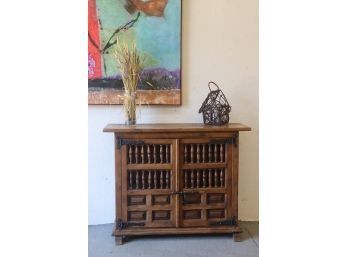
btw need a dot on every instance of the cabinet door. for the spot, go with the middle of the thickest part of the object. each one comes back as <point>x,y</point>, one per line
<point>205,181</point>
<point>148,180</point>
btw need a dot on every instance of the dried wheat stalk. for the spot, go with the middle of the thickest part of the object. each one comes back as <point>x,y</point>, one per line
<point>130,64</point>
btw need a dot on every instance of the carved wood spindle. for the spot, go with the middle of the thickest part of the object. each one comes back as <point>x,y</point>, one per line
<point>161,153</point>
<point>185,153</point>
<point>149,184</point>
<point>161,179</point>
<point>136,154</point>
<point>155,179</point>
<point>215,153</point>
<point>131,180</point>
<point>198,153</point>
<point>203,153</point>
<point>167,154</point>
<point>192,153</point>
<point>185,184</point>
<point>216,179</point>
<point>130,153</point>
<point>222,153</point>
<point>143,179</point>
<point>198,178</point>
<point>148,154</point>
<point>167,179</point>
<point>204,178</point>
<point>154,154</point>
<point>192,179</point>
<point>137,179</point>
<point>209,177</point>
<point>142,154</point>
<point>209,153</point>
<point>222,178</point>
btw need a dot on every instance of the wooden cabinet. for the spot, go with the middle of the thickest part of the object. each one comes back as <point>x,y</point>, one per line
<point>176,179</point>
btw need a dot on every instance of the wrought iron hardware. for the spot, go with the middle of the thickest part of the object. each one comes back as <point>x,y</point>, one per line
<point>228,222</point>
<point>186,201</point>
<point>229,141</point>
<point>183,193</point>
<point>190,192</point>
<point>120,224</point>
<point>122,141</point>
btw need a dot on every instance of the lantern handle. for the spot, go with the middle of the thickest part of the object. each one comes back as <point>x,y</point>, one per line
<point>211,82</point>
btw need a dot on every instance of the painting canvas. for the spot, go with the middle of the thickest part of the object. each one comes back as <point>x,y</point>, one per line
<point>155,27</point>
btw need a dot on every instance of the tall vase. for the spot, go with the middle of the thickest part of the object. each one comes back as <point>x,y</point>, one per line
<point>130,107</point>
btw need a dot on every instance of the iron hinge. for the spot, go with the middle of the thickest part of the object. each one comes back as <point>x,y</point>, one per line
<point>122,141</point>
<point>228,222</point>
<point>120,224</point>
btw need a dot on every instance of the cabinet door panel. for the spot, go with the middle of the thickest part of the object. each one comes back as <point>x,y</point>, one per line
<point>205,180</point>
<point>149,178</point>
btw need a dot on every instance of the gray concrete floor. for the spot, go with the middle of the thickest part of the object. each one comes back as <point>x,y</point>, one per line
<point>102,244</point>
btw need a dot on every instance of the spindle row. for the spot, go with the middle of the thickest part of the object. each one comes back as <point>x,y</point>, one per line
<point>210,178</point>
<point>147,154</point>
<point>203,153</point>
<point>149,179</point>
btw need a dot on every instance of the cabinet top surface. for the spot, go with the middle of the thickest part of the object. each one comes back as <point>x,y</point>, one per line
<point>174,127</point>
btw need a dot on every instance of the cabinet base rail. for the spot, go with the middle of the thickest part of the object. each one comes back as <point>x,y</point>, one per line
<point>177,231</point>
<point>124,235</point>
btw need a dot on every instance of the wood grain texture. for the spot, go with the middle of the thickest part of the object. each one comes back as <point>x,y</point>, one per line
<point>179,180</point>
<point>178,231</point>
<point>174,127</point>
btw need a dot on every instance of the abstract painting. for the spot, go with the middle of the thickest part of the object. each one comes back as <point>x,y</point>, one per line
<point>155,27</point>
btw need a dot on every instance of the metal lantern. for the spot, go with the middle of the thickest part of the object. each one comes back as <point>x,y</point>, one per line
<point>215,107</point>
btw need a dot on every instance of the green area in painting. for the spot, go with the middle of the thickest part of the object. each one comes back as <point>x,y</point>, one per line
<point>157,38</point>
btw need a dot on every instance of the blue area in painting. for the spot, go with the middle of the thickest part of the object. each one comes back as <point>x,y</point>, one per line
<point>158,38</point>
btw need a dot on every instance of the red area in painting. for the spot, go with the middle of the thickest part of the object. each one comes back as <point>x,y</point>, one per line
<point>94,57</point>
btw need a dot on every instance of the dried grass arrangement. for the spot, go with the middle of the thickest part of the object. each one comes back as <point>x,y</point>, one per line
<point>130,64</point>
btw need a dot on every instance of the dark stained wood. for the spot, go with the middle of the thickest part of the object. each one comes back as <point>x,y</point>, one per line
<point>119,240</point>
<point>158,166</point>
<point>179,231</point>
<point>229,186</point>
<point>178,179</point>
<point>174,128</point>
<point>237,237</point>
<point>148,154</point>
<point>136,153</point>
<point>142,154</point>
<point>123,185</point>
<point>118,180</point>
<point>235,165</point>
<point>209,153</point>
<point>168,136</point>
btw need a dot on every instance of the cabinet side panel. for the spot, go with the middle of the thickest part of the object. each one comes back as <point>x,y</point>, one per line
<point>230,180</point>
<point>235,165</point>
<point>118,180</point>
<point>176,180</point>
<point>123,191</point>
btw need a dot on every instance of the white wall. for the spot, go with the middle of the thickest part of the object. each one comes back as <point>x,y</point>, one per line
<point>219,43</point>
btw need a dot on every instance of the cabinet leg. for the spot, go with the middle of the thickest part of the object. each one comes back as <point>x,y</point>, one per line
<point>237,237</point>
<point>119,240</point>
